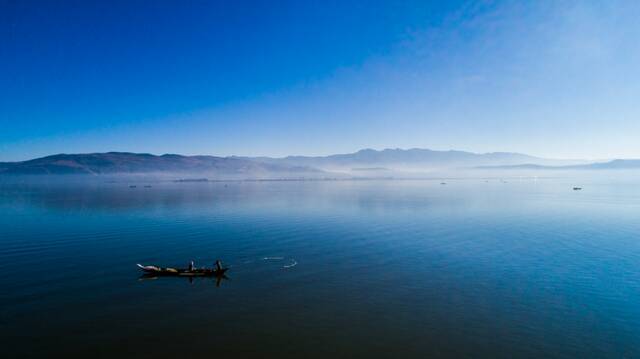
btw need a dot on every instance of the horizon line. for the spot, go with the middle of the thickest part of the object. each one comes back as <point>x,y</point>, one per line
<point>318,155</point>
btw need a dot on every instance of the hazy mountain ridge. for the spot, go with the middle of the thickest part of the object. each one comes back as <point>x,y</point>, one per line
<point>139,163</point>
<point>364,163</point>
<point>614,164</point>
<point>412,159</point>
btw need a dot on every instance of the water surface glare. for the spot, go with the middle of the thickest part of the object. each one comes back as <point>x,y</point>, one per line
<point>344,269</point>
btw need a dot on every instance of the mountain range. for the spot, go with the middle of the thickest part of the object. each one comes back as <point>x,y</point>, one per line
<point>412,159</point>
<point>144,163</point>
<point>365,162</point>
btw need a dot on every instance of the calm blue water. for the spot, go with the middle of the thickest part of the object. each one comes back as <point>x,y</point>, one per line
<point>389,269</point>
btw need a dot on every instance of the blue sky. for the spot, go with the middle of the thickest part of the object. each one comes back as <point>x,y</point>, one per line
<point>555,79</point>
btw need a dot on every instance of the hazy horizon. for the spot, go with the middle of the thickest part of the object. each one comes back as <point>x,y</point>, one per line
<point>365,164</point>
<point>320,155</point>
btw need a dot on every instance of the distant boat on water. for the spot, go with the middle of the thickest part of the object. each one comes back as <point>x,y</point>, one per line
<point>577,188</point>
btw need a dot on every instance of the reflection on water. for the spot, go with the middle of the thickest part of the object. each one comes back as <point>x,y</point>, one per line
<point>217,279</point>
<point>475,268</point>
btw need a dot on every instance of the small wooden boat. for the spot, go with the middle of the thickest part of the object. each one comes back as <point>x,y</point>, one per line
<point>577,188</point>
<point>182,272</point>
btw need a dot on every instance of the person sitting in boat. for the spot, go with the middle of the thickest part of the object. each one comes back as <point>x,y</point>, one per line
<point>191,266</point>
<point>218,265</point>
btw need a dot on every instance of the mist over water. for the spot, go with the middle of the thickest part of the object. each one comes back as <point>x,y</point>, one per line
<point>497,266</point>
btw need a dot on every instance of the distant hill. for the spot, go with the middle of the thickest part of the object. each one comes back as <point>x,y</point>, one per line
<point>615,164</point>
<point>416,158</point>
<point>139,163</point>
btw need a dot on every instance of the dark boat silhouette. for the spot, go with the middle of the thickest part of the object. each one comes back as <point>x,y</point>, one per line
<point>577,188</point>
<point>182,272</point>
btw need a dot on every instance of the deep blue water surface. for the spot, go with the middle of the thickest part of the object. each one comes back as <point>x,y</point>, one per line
<point>390,269</point>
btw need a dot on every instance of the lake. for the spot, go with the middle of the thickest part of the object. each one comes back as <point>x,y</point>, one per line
<point>340,269</point>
